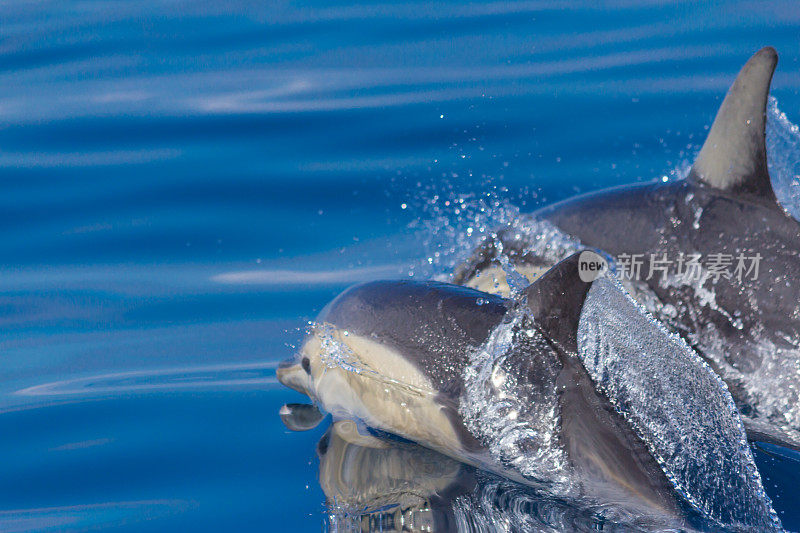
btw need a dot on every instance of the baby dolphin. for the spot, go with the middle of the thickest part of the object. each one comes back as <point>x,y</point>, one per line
<point>501,384</point>
<point>714,256</point>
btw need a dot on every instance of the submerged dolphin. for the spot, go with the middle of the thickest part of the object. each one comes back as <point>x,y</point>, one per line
<point>739,306</point>
<point>534,390</point>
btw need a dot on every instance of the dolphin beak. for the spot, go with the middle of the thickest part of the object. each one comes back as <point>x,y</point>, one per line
<point>291,374</point>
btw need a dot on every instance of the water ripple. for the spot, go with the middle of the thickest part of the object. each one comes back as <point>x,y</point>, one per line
<point>85,517</point>
<point>260,375</point>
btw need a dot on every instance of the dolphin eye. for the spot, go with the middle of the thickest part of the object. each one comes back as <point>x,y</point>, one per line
<point>322,445</point>
<point>306,364</point>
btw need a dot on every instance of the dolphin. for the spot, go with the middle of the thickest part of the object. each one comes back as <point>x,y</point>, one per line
<point>501,384</point>
<point>739,306</point>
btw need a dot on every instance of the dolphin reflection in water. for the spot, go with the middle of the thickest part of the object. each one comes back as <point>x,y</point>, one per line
<point>389,485</point>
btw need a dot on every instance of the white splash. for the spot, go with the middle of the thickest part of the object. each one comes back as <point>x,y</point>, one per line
<point>333,352</point>
<point>676,404</point>
<point>528,235</point>
<point>783,158</point>
<point>771,388</point>
<point>517,419</point>
<point>497,505</point>
<point>454,225</point>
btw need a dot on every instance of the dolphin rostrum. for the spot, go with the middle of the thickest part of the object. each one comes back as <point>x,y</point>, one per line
<point>528,389</point>
<point>714,256</point>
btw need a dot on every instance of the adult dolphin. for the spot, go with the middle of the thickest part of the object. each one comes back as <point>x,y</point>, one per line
<point>714,256</point>
<point>533,391</point>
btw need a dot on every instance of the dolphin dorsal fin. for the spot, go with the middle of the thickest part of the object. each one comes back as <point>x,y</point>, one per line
<point>734,156</point>
<point>556,299</point>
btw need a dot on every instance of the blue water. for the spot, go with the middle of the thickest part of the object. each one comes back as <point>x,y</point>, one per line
<point>186,184</point>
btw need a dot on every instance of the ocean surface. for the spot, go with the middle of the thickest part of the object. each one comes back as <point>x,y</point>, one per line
<point>184,185</point>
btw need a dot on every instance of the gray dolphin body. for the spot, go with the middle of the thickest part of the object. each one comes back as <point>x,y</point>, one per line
<point>501,385</point>
<point>746,325</point>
